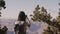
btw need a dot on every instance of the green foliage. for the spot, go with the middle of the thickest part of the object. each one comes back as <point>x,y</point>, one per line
<point>3,30</point>
<point>36,13</point>
<point>51,30</point>
<point>40,14</point>
<point>54,24</point>
<point>2,4</point>
<point>58,3</point>
<point>48,31</point>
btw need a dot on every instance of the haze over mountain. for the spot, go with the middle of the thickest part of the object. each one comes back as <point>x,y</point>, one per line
<point>36,27</point>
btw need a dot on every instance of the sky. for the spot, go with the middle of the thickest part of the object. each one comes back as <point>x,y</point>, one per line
<point>13,7</point>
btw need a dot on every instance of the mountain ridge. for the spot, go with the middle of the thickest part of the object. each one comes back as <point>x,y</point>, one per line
<point>36,27</point>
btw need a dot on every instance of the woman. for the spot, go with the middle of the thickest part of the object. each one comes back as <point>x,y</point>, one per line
<point>21,23</point>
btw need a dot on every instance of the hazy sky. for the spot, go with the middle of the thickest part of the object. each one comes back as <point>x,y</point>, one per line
<point>13,7</point>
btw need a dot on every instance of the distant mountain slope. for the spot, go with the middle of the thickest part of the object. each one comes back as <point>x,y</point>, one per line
<point>8,22</point>
<point>36,27</point>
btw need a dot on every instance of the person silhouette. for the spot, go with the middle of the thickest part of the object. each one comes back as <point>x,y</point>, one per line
<point>21,23</point>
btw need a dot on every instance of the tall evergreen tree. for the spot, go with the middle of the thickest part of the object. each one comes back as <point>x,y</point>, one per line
<point>46,17</point>
<point>55,27</point>
<point>36,13</point>
<point>40,14</point>
<point>2,5</point>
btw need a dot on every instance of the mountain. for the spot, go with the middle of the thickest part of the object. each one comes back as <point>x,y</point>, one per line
<point>8,22</point>
<point>35,28</point>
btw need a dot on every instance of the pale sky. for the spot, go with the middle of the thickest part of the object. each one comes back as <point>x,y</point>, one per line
<point>14,6</point>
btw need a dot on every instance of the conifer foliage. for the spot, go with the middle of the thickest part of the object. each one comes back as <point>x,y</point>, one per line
<point>2,5</point>
<point>53,24</point>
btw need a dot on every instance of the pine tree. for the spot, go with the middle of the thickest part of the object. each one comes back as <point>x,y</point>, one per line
<point>40,14</point>
<point>2,5</point>
<point>44,15</point>
<point>55,27</point>
<point>5,29</point>
<point>36,13</point>
<point>58,18</point>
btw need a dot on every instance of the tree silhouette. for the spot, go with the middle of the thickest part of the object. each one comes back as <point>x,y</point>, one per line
<point>2,5</point>
<point>5,29</point>
<point>53,24</point>
<point>55,27</point>
<point>41,14</point>
<point>36,13</point>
